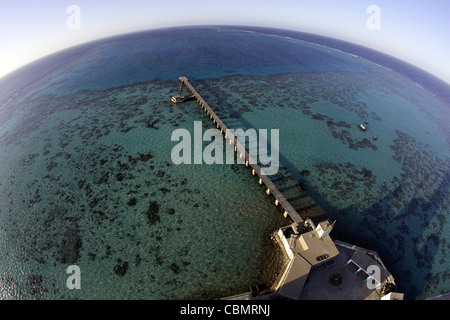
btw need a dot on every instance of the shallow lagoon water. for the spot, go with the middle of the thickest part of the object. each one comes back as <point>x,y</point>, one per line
<point>101,178</point>
<point>87,178</point>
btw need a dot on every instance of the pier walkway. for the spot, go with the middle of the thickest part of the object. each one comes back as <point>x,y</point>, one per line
<point>280,200</point>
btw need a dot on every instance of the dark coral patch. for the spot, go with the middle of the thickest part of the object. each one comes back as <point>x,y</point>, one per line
<point>152,213</point>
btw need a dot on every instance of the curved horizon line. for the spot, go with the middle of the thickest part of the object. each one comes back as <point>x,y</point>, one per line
<point>417,71</point>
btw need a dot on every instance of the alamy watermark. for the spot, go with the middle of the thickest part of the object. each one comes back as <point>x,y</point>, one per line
<point>74,280</point>
<point>73,21</point>
<point>373,280</point>
<point>374,20</point>
<point>189,150</point>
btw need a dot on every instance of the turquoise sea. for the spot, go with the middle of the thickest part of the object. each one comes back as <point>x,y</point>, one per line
<point>86,176</point>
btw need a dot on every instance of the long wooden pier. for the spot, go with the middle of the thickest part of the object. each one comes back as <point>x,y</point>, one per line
<point>280,200</point>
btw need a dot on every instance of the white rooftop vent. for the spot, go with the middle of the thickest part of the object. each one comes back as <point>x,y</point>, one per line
<point>324,228</point>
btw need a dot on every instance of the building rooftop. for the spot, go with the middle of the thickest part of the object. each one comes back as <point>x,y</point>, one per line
<point>314,248</point>
<point>351,286</point>
<point>322,269</point>
<point>296,278</point>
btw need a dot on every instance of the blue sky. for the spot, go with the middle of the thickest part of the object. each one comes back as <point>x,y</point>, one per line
<point>414,31</point>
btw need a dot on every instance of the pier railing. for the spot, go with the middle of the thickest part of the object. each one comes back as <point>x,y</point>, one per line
<point>280,200</point>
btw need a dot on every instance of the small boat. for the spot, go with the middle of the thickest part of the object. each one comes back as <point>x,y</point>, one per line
<point>362,127</point>
<point>179,99</point>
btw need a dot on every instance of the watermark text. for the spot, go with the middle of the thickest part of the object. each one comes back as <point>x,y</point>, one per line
<point>190,150</point>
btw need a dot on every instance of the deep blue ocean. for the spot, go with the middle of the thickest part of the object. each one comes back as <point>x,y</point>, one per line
<point>86,176</point>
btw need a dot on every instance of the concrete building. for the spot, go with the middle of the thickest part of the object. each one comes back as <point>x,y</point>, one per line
<point>307,246</point>
<point>319,268</point>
